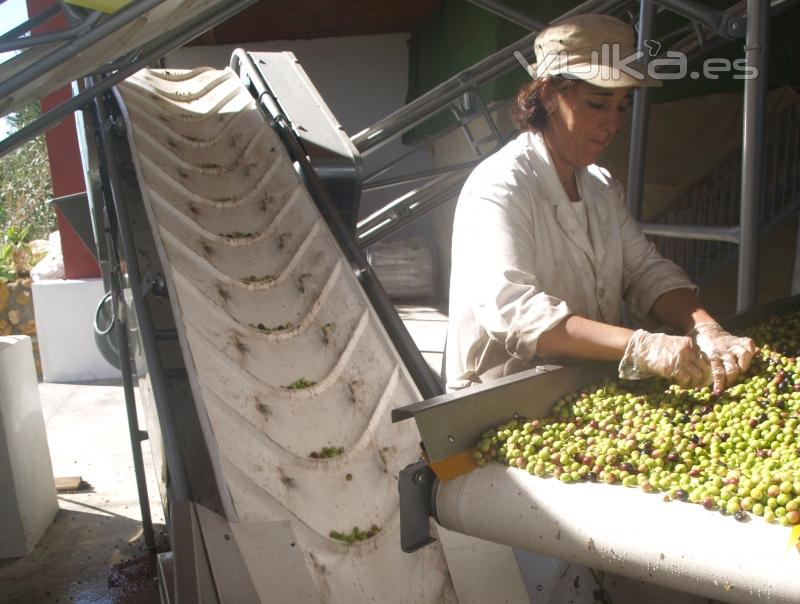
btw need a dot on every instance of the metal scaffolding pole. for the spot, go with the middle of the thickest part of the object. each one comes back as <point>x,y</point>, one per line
<point>159,48</point>
<point>641,114</point>
<point>64,53</point>
<point>755,91</point>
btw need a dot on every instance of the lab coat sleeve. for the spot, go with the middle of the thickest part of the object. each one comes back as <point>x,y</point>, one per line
<point>494,262</point>
<point>647,275</point>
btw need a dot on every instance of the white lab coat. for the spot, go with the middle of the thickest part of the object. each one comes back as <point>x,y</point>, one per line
<point>521,261</point>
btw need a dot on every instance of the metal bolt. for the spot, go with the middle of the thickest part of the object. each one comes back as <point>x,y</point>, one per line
<point>451,439</point>
<point>419,478</point>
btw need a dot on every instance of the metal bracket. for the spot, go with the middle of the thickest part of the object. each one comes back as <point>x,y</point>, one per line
<point>415,486</point>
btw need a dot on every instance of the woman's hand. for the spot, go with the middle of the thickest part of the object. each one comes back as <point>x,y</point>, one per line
<point>673,357</point>
<point>727,354</point>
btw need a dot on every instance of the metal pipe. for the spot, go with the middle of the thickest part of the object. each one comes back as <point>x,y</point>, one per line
<point>66,108</point>
<point>34,21</point>
<point>422,174</point>
<point>510,14</point>
<point>56,36</point>
<point>641,116</point>
<point>755,91</point>
<point>67,51</point>
<point>121,228</point>
<point>421,108</point>
<point>724,24</point>
<point>691,231</point>
<point>422,375</point>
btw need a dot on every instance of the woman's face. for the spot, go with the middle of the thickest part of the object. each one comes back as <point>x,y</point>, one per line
<point>582,121</point>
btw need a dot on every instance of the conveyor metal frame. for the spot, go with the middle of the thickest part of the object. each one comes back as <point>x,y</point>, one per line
<point>451,424</point>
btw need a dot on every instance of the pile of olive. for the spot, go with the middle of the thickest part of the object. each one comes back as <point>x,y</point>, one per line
<point>738,453</point>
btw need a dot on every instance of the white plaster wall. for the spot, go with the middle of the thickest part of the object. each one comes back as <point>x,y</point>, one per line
<point>361,78</point>
<point>27,489</point>
<point>64,322</point>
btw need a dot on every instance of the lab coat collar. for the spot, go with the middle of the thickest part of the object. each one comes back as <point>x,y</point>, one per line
<point>594,195</point>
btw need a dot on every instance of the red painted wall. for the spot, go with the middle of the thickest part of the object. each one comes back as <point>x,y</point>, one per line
<point>65,166</point>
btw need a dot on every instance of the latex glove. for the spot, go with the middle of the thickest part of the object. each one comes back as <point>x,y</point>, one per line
<point>673,357</point>
<point>727,354</point>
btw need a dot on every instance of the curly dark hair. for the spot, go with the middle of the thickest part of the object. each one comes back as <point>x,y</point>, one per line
<point>528,111</point>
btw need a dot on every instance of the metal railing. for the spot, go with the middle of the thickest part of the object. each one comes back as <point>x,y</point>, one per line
<point>714,201</point>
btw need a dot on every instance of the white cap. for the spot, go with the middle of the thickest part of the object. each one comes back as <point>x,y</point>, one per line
<point>598,49</point>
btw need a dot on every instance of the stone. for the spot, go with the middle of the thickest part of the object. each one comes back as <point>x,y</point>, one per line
<point>3,295</point>
<point>14,317</point>
<point>28,328</point>
<point>23,298</point>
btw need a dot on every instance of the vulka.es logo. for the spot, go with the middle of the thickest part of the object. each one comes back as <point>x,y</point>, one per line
<point>672,66</point>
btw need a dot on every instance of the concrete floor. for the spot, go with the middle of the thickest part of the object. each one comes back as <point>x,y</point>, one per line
<point>94,550</point>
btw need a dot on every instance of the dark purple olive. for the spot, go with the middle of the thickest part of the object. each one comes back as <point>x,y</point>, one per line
<point>681,495</point>
<point>591,477</point>
<point>628,467</point>
<point>741,516</point>
<point>673,457</point>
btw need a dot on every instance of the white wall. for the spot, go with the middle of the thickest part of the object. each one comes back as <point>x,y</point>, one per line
<point>65,312</point>
<point>27,491</point>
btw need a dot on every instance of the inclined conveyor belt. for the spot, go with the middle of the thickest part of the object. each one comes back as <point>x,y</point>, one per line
<point>285,355</point>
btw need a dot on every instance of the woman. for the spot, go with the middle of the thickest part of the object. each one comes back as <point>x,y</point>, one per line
<point>544,249</point>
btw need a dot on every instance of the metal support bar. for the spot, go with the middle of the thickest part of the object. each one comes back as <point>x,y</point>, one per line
<point>411,209</point>
<point>396,160</point>
<point>641,116</point>
<point>120,230</point>
<point>58,113</point>
<point>422,375</point>
<point>724,24</point>
<point>49,38</point>
<point>136,435</point>
<point>422,174</point>
<point>509,13</point>
<point>63,53</point>
<point>691,231</point>
<point>421,108</point>
<point>488,117</point>
<point>755,91</point>
<point>34,21</point>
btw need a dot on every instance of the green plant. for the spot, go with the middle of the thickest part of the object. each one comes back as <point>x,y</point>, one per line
<point>25,184</point>
<point>16,255</point>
